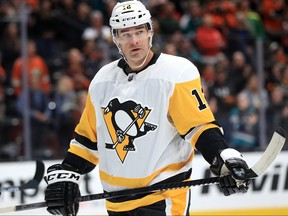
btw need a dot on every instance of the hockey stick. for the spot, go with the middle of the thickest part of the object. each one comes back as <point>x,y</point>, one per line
<point>271,152</point>
<point>274,147</point>
<point>33,183</point>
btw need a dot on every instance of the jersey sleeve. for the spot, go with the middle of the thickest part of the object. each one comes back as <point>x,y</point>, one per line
<point>84,144</point>
<point>189,109</point>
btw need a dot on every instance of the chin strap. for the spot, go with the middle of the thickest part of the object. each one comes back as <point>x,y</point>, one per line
<point>139,66</point>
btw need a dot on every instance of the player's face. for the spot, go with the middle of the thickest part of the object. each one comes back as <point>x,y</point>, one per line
<point>134,43</point>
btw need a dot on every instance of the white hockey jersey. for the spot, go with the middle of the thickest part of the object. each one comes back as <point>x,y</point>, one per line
<point>141,128</point>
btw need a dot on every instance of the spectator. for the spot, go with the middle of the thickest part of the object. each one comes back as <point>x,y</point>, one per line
<point>169,19</point>
<point>276,55</point>
<point>98,5</point>
<point>239,71</point>
<point>208,74</point>
<point>258,98</point>
<point>80,101</point>
<point>187,50</point>
<point>96,29</point>
<point>39,113</point>
<point>109,5</point>
<point>284,37</point>
<point>273,12</point>
<point>284,82</point>
<point>7,11</point>
<point>75,18</point>
<point>82,18</point>
<point>10,48</point>
<point>100,33</point>
<point>63,114</point>
<point>216,109</point>
<point>277,112</point>
<point>255,24</point>
<point>243,119</point>
<point>158,38</point>
<point>154,3</point>
<point>44,29</point>
<point>93,58</point>
<point>222,13</point>
<point>76,70</point>
<point>36,66</point>
<point>274,77</point>
<point>191,20</point>
<point>2,94</point>
<point>223,92</point>
<point>170,48</point>
<point>240,38</point>
<point>209,41</point>
<point>33,4</point>
<point>176,39</point>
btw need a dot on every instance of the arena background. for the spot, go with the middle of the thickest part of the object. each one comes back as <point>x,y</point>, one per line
<point>255,30</point>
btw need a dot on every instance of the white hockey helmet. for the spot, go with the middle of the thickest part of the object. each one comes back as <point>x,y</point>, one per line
<point>129,14</point>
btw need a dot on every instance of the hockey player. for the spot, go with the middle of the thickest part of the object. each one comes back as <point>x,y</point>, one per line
<point>145,116</point>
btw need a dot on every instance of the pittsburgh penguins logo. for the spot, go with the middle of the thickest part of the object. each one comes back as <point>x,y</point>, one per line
<point>125,122</point>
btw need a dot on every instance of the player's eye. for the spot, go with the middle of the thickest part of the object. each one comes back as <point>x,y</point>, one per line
<point>139,33</point>
<point>125,36</point>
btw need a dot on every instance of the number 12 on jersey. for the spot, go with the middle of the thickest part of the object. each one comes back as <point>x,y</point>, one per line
<point>201,104</point>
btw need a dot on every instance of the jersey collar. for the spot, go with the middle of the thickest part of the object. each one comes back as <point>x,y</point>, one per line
<point>123,64</point>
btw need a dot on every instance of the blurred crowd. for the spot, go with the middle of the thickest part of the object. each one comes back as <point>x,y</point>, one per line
<point>69,41</point>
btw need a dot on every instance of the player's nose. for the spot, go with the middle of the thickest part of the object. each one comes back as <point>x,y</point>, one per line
<point>134,39</point>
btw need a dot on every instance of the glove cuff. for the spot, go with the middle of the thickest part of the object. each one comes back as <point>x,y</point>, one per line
<point>230,153</point>
<point>62,176</point>
<point>218,166</point>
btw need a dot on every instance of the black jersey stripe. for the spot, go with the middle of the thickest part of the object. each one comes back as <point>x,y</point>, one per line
<point>177,178</point>
<point>86,142</point>
<point>184,135</point>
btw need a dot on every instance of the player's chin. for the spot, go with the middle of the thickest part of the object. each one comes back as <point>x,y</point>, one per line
<point>136,54</point>
<point>137,57</point>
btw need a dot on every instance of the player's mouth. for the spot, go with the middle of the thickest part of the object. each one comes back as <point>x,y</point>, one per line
<point>135,50</point>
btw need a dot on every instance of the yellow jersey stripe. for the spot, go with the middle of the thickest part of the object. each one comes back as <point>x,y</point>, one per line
<point>87,124</point>
<point>147,200</point>
<point>196,136</point>
<point>141,182</point>
<point>84,153</point>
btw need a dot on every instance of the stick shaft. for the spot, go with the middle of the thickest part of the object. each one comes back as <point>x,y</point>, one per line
<point>109,195</point>
<point>149,189</point>
<point>23,207</point>
<point>30,206</point>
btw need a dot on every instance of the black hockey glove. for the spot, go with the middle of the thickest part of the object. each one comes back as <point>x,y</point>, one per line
<point>62,190</point>
<point>232,168</point>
